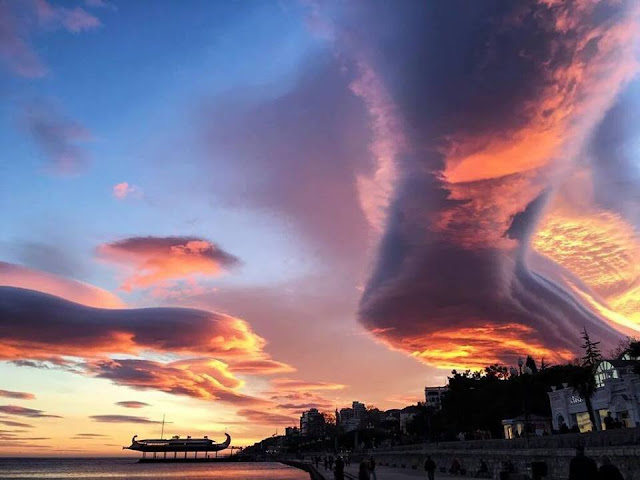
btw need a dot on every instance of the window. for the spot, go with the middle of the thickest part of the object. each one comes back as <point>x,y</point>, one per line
<point>605,371</point>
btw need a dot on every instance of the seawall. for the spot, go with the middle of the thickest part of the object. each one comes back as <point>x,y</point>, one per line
<point>622,446</point>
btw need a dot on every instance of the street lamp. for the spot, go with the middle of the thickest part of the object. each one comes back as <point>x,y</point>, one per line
<point>520,364</point>
<point>527,372</point>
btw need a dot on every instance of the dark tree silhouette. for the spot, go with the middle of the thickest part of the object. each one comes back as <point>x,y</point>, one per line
<point>531,363</point>
<point>592,354</point>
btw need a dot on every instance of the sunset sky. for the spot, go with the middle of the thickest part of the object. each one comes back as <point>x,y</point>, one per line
<point>229,212</point>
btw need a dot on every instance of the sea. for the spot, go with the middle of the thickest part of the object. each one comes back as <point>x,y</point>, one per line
<point>127,468</point>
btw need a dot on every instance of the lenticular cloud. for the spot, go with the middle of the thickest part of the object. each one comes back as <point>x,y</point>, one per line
<point>497,104</point>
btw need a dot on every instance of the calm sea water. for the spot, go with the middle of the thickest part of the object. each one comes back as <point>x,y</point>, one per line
<point>124,469</point>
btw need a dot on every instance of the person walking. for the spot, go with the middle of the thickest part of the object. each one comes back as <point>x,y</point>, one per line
<point>372,468</point>
<point>430,468</point>
<point>338,473</point>
<point>363,470</point>
<point>609,422</point>
<point>608,471</point>
<point>582,467</point>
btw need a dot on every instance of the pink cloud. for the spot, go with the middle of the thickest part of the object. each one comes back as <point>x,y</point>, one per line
<point>20,21</point>
<point>123,190</point>
<point>154,260</point>
<point>132,404</point>
<point>18,276</point>
<point>19,395</point>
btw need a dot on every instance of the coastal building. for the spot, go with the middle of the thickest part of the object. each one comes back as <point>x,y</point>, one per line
<point>350,419</point>
<point>311,423</point>
<point>291,431</point>
<point>433,396</point>
<point>406,415</point>
<point>617,393</point>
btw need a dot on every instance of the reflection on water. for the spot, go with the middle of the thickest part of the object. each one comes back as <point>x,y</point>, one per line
<point>125,468</point>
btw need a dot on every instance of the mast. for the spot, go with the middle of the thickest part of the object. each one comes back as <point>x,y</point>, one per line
<point>162,432</point>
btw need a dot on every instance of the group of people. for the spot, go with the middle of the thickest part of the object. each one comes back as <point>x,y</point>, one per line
<point>611,423</point>
<point>367,469</point>
<point>582,467</point>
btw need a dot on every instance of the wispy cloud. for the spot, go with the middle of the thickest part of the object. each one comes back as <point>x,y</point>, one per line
<point>121,419</point>
<point>21,21</point>
<point>25,412</point>
<point>19,395</point>
<point>60,139</point>
<point>132,404</point>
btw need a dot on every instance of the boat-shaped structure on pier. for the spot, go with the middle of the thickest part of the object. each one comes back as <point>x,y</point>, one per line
<point>177,445</point>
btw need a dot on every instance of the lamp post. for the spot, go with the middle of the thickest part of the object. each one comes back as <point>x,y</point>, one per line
<point>527,375</point>
<point>520,364</point>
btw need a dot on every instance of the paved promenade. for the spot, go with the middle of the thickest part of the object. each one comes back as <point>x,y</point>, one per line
<point>389,473</point>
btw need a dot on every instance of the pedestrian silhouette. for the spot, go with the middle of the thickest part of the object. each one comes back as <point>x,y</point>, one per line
<point>339,470</point>
<point>430,468</point>
<point>363,471</point>
<point>372,468</point>
<point>609,422</point>
<point>582,467</point>
<point>608,471</point>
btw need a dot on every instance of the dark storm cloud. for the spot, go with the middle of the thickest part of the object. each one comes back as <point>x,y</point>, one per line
<point>494,98</point>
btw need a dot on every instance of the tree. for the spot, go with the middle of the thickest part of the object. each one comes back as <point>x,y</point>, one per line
<point>543,365</point>
<point>496,370</point>
<point>592,354</point>
<point>531,363</point>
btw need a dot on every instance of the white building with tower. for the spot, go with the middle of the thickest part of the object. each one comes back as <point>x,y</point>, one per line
<point>617,393</point>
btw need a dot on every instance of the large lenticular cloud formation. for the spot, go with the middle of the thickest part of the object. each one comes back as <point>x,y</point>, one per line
<point>497,102</point>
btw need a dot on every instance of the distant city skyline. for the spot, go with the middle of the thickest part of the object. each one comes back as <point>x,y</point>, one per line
<point>229,213</point>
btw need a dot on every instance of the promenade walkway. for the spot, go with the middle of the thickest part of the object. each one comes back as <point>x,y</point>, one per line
<point>389,473</point>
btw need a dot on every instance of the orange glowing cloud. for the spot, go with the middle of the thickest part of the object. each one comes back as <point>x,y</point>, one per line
<point>154,260</point>
<point>477,347</point>
<point>598,247</point>
<point>484,151</point>
<point>601,249</point>
<point>575,95</point>
<point>261,366</point>
<point>38,326</point>
<point>301,385</point>
<point>210,348</point>
<point>197,378</point>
